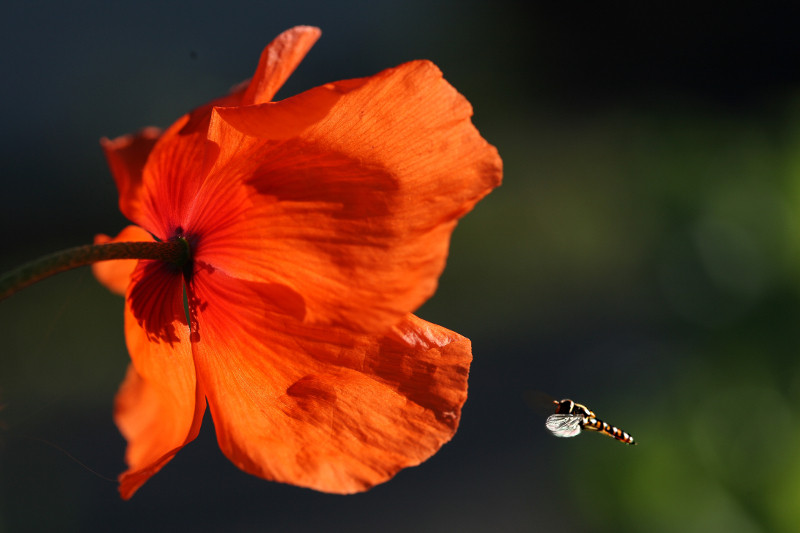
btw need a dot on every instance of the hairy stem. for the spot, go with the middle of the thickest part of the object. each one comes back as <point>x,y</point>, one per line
<point>173,251</point>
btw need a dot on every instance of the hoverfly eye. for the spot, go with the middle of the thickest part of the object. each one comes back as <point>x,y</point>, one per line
<point>564,406</point>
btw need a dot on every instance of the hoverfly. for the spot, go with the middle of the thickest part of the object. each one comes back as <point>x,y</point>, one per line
<point>571,417</point>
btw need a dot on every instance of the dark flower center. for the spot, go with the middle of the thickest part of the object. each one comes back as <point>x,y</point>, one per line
<point>184,261</point>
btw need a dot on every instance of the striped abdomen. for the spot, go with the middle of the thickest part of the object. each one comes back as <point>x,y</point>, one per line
<point>594,424</point>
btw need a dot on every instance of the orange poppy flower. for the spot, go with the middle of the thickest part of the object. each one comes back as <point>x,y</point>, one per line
<point>316,225</point>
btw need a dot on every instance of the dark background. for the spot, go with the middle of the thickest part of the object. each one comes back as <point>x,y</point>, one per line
<point>642,256</point>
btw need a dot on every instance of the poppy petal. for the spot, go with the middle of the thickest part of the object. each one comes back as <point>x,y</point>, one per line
<point>116,275</point>
<point>179,161</point>
<point>176,168</point>
<point>353,210</point>
<point>126,156</point>
<point>278,61</point>
<point>159,408</point>
<point>321,407</point>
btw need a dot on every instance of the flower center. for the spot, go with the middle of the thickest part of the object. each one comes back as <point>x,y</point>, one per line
<point>182,260</point>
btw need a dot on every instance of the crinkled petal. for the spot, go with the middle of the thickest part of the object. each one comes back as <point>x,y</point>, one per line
<point>116,275</point>
<point>179,155</point>
<point>158,408</point>
<point>321,407</point>
<point>278,61</point>
<point>181,158</point>
<point>172,177</point>
<point>352,211</point>
<point>126,156</point>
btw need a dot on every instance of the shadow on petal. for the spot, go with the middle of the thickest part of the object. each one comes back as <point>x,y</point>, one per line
<point>155,286</point>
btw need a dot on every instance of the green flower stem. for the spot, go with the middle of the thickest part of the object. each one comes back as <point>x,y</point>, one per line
<point>173,251</point>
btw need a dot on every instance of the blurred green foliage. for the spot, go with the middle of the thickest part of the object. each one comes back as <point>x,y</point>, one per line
<point>682,225</point>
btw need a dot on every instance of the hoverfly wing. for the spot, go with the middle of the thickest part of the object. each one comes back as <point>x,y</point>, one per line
<point>540,402</point>
<point>564,425</point>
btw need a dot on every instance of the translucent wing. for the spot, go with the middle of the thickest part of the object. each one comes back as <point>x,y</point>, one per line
<point>564,425</point>
<point>540,402</point>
